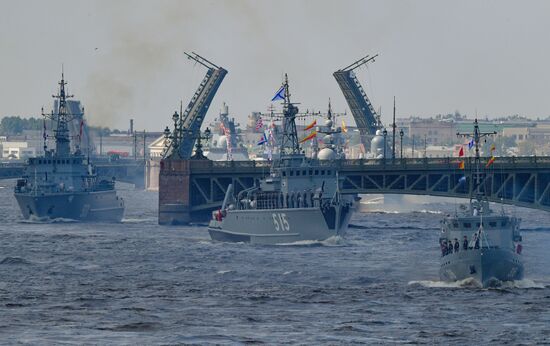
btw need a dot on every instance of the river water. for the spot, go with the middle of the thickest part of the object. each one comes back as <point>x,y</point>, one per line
<point>141,283</point>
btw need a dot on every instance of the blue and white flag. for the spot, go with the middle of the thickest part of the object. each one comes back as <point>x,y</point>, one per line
<point>263,139</point>
<point>280,95</point>
<point>470,144</point>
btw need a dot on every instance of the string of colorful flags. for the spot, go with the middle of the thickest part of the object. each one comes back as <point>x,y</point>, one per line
<point>470,146</point>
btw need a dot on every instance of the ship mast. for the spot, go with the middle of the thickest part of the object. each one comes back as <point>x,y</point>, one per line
<point>289,142</point>
<point>62,140</point>
<point>477,135</point>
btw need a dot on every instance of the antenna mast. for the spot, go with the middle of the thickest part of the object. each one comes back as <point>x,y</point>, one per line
<point>289,143</point>
<point>477,135</point>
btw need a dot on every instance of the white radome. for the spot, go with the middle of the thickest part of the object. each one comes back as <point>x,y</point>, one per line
<point>326,154</point>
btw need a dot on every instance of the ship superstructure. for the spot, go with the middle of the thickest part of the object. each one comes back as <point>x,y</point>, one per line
<point>63,183</point>
<point>478,242</point>
<point>299,200</point>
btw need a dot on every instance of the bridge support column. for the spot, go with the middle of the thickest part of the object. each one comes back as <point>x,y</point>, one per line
<point>152,171</point>
<point>174,197</point>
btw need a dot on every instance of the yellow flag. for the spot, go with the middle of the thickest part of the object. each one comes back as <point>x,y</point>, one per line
<point>344,128</point>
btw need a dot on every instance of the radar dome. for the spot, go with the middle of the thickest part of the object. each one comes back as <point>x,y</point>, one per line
<point>377,144</point>
<point>326,154</point>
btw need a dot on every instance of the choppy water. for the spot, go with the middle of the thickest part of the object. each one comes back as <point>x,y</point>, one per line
<point>140,283</point>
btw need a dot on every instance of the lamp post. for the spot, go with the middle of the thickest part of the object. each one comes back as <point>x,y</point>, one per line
<point>401,134</point>
<point>198,147</point>
<point>385,133</point>
<point>412,146</point>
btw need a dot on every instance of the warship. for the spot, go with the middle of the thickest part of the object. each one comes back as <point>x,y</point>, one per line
<point>64,184</point>
<point>478,242</point>
<point>300,199</point>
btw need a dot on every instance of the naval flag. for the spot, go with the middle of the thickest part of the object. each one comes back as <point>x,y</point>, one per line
<point>280,95</point>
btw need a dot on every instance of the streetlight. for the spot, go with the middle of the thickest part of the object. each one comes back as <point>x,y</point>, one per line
<point>198,147</point>
<point>401,134</point>
<point>385,133</point>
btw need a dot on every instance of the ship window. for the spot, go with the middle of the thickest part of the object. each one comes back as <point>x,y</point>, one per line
<point>291,173</point>
<point>297,172</point>
<point>316,172</point>
<point>503,224</point>
<point>39,162</point>
<point>284,173</point>
<point>477,224</point>
<point>455,224</point>
<point>467,225</point>
<point>304,172</point>
<point>492,224</point>
<point>322,172</point>
<point>310,172</point>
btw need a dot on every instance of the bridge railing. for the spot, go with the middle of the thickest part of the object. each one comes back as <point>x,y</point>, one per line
<point>201,166</point>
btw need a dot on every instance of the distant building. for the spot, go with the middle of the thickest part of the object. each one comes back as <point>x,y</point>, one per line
<point>17,150</point>
<point>434,131</point>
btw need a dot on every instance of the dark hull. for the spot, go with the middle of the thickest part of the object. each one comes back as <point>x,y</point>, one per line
<point>103,206</point>
<point>483,265</point>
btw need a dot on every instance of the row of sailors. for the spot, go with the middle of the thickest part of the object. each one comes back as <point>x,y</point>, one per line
<point>448,247</point>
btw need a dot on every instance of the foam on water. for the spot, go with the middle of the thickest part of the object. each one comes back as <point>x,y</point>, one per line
<point>472,283</point>
<point>330,241</point>
<point>466,283</point>
<point>46,220</point>
<point>138,220</point>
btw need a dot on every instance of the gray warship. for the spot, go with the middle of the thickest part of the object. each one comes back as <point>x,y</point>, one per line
<point>300,200</point>
<point>478,242</point>
<point>63,184</point>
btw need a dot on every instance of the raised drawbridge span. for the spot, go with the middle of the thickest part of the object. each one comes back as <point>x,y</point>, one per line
<point>190,189</point>
<point>361,108</point>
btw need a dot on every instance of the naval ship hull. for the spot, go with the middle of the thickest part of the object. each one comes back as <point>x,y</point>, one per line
<point>484,265</point>
<point>278,226</point>
<point>103,206</point>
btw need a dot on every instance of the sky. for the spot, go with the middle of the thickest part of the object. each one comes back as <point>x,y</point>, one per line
<point>124,59</point>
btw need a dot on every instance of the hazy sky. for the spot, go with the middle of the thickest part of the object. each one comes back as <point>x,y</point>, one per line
<point>125,58</point>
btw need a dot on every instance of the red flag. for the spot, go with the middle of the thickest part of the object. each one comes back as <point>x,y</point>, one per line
<point>461,151</point>
<point>310,126</point>
<point>490,162</point>
<point>311,136</point>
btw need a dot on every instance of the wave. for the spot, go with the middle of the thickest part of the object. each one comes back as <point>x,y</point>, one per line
<point>466,283</point>
<point>473,283</point>
<point>521,284</point>
<point>14,261</point>
<point>46,220</point>
<point>335,240</point>
<point>380,211</point>
<point>425,211</point>
<point>135,220</point>
<point>224,272</point>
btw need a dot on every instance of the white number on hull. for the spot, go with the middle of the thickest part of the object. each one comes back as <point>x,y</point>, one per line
<point>280,222</point>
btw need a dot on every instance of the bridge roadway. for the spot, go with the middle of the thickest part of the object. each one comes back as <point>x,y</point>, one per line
<point>190,190</point>
<point>125,170</point>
